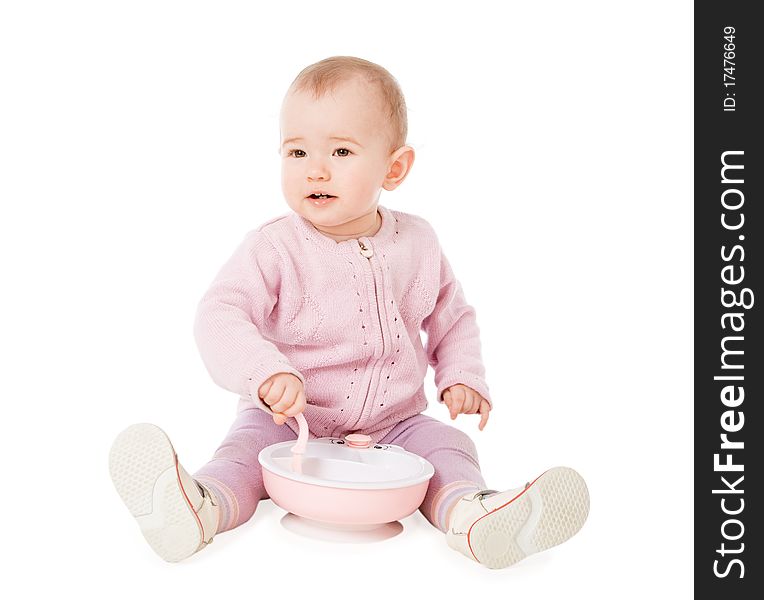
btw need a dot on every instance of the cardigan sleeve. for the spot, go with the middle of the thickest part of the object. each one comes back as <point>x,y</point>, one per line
<point>453,338</point>
<point>231,315</point>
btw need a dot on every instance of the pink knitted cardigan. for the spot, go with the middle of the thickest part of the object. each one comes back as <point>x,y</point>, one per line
<point>345,317</point>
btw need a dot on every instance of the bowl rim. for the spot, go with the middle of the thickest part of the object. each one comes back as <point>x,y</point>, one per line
<point>427,471</point>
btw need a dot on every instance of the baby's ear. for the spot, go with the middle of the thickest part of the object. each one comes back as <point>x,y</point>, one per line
<point>401,162</point>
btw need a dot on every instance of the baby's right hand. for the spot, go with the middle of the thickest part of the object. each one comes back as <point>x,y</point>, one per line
<point>284,394</point>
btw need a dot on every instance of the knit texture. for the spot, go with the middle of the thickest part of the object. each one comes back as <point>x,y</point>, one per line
<point>295,301</point>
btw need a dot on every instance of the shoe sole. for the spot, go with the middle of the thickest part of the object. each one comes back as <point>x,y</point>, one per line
<point>144,468</point>
<point>548,512</point>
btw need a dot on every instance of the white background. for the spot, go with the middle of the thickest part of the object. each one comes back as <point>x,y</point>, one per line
<point>138,144</point>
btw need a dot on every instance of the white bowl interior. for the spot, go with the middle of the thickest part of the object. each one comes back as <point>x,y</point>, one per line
<point>389,466</point>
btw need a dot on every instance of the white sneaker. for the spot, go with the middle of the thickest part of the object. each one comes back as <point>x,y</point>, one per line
<point>176,517</point>
<point>497,529</point>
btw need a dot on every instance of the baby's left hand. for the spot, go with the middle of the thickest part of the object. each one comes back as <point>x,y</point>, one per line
<point>462,399</point>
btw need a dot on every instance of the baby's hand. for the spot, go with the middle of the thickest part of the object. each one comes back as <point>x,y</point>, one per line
<point>462,399</point>
<point>284,394</point>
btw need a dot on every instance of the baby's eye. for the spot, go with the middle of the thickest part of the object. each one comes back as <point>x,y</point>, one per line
<point>340,150</point>
<point>295,153</point>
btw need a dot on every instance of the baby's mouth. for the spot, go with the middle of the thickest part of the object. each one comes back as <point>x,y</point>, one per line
<point>321,196</point>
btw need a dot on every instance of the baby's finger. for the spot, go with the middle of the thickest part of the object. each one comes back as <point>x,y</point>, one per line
<point>447,399</point>
<point>287,400</point>
<point>274,394</point>
<point>470,406</point>
<point>263,390</point>
<point>279,419</point>
<point>456,406</point>
<point>484,408</point>
<point>297,407</point>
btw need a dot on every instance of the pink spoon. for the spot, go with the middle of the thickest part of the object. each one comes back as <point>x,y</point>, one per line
<point>302,440</point>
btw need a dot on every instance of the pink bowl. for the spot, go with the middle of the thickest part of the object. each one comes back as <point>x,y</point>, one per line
<point>339,483</point>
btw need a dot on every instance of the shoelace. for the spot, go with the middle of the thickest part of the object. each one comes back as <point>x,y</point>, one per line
<point>206,494</point>
<point>485,493</point>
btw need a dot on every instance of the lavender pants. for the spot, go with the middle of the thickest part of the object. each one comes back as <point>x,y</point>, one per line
<point>235,478</point>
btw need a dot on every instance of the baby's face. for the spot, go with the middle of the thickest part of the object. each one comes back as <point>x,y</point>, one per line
<point>336,145</point>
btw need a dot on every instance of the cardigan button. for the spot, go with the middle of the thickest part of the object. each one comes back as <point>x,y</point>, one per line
<point>367,252</point>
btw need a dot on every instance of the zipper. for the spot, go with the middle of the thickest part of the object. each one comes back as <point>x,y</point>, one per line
<point>368,253</point>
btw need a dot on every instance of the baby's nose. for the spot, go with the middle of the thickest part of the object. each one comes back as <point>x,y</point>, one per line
<point>317,175</point>
<point>318,172</point>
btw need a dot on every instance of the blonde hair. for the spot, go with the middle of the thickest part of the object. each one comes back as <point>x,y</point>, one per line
<point>326,75</point>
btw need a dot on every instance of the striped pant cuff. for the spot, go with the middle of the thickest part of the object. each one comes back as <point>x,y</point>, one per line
<point>226,501</point>
<point>446,499</point>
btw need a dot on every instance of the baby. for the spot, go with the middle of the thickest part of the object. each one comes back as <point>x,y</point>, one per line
<point>320,312</point>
